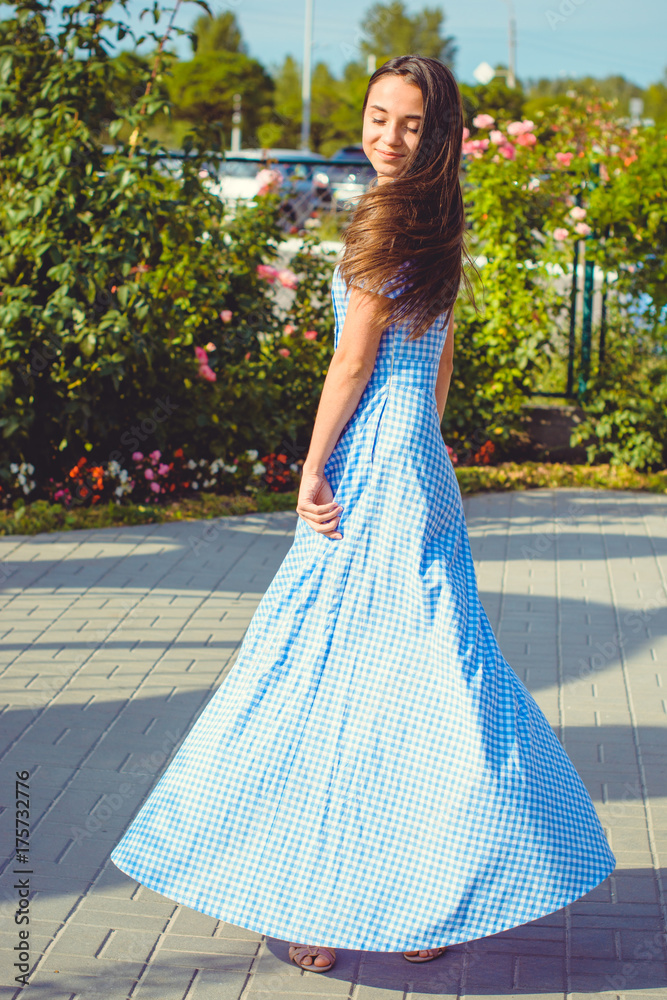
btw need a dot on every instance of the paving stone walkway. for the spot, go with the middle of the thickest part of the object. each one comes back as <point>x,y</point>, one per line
<point>113,640</point>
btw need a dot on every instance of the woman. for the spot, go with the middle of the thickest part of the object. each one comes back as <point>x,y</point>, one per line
<point>372,774</point>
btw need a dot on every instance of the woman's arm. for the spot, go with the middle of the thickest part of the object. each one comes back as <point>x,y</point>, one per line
<point>350,369</point>
<point>445,369</point>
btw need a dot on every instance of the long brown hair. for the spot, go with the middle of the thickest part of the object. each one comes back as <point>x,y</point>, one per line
<point>410,234</point>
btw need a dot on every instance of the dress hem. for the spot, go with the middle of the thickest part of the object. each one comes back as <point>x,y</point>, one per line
<point>300,936</point>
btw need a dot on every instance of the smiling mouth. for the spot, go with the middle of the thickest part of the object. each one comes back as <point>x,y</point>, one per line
<point>386,153</point>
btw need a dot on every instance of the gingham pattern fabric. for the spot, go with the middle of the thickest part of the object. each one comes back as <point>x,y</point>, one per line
<point>372,774</point>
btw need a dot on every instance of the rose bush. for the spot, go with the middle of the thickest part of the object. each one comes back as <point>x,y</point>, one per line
<point>134,312</point>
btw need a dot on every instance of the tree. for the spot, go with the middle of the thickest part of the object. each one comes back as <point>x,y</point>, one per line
<point>655,101</point>
<point>202,90</point>
<point>390,31</point>
<point>492,98</point>
<point>545,92</point>
<point>218,34</point>
<point>287,97</point>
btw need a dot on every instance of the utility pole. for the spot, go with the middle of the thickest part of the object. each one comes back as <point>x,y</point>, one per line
<point>511,70</point>
<point>305,80</point>
<point>236,124</point>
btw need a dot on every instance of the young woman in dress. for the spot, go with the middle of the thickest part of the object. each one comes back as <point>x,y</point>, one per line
<point>372,774</point>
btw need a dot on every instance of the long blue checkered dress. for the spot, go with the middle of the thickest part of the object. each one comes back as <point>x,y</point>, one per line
<point>372,774</point>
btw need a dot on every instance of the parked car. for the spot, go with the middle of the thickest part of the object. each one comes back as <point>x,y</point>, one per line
<point>349,154</point>
<point>305,186</point>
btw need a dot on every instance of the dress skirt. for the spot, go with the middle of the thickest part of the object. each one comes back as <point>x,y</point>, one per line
<point>372,774</point>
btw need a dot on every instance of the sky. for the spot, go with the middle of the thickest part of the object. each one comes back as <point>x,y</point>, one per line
<point>554,37</point>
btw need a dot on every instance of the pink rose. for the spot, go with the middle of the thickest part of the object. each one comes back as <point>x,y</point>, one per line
<point>519,128</point>
<point>155,456</point>
<point>149,474</point>
<point>155,488</point>
<point>283,350</point>
<point>268,180</point>
<point>578,213</point>
<point>497,137</point>
<point>226,315</point>
<point>508,151</point>
<point>137,456</point>
<point>565,158</point>
<point>561,234</point>
<point>483,121</point>
<point>289,329</point>
<point>466,134</point>
<point>267,271</point>
<point>310,334</point>
<point>527,139</point>
<point>205,371</point>
<point>583,229</point>
<point>201,355</point>
<point>163,469</point>
<point>287,278</point>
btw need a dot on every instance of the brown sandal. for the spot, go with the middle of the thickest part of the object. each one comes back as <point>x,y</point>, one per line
<point>425,955</point>
<point>297,952</point>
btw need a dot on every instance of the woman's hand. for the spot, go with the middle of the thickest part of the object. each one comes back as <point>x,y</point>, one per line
<point>317,506</point>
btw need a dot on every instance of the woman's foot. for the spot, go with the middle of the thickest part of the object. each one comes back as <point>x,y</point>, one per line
<point>313,958</point>
<point>425,955</point>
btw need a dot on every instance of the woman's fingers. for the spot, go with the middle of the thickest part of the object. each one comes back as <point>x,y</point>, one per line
<point>311,516</point>
<point>309,505</point>
<point>324,524</point>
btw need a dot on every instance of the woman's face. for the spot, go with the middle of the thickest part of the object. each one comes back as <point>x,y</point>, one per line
<point>391,122</point>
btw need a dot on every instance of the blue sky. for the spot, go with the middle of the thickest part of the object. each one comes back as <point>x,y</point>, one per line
<point>555,37</point>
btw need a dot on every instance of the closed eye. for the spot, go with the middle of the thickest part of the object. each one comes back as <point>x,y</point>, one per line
<point>378,121</point>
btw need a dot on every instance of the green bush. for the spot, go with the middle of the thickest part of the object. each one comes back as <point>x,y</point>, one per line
<point>113,272</point>
<point>626,400</point>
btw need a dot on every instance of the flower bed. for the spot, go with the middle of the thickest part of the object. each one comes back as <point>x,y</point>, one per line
<point>42,516</point>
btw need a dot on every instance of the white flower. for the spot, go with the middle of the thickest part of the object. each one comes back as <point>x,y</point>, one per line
<point>113,468</point>
<point>533,183</point>
<point>30,468</point>
<point>294,467</point>
<point>123,475</point>
<point>195,486</point>
<point>230,468</point>
<point>202,462</point>
<point>191,464</point>
<point>252,455</point>
<point>14,468</point>
<point>258,469</point>
<point>119,491</point>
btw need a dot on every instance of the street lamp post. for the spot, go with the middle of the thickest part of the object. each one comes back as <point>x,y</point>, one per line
<point>485,73</point>
<point>305,81</point>
<point>511,67</point>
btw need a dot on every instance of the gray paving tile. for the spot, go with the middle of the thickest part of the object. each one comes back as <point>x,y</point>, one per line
<point>559,572</point>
